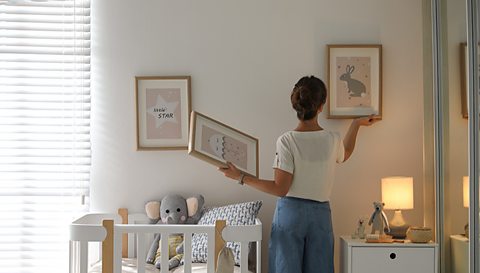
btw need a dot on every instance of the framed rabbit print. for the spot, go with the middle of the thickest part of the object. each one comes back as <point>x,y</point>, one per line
<point>217,143</point>
<point>354,81</point>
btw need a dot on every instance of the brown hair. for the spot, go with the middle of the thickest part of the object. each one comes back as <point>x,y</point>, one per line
<point>307,96</point>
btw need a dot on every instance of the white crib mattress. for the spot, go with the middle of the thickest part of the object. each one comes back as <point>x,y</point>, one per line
<point>129,265</point>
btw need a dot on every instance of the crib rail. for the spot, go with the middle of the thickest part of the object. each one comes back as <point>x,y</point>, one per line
<point>88,228</point>
<point>111,234</point>
<point>165,230</point>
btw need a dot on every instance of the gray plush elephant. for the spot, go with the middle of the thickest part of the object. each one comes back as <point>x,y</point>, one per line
<point>172,209</point>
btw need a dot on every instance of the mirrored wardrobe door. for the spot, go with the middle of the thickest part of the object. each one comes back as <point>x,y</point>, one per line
<point>456,177</point>
<point>460,26</point>
<point>451,134</point>
<point>473,34</point>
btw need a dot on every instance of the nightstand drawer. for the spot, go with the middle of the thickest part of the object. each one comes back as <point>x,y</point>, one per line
<point>366,259</point>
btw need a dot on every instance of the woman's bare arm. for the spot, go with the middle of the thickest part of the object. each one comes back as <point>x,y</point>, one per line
<point>351,136</point>
<point>278,187</point>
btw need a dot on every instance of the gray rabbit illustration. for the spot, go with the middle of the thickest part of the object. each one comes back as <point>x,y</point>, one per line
<point>355,88</point>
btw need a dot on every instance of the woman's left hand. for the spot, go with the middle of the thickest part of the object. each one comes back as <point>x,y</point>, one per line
<point>230,171</point>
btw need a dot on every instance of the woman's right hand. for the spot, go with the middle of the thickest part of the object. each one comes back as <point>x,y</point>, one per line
<point>367,121</point>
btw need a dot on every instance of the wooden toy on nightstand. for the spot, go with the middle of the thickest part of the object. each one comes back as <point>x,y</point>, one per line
<point>357,256</point>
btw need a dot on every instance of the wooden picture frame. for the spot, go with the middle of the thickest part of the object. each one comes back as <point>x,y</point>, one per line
<point>464,79</point>
<point>217,143</point>
<point>354,81</point>
<point>163,109</point>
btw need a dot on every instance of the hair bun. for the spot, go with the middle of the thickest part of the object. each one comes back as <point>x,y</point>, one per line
<point>302,101</point>
<point>307,96</point>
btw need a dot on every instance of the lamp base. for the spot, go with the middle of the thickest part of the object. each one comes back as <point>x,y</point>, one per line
<point>398,227</point>
<point>398,232</point>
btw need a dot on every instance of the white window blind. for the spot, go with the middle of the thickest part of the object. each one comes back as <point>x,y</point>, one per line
<point>44,130</point>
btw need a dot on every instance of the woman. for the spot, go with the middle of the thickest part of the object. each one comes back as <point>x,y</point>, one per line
<point>302,236</point>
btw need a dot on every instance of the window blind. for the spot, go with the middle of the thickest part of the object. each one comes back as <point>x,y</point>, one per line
<point>44,130</point>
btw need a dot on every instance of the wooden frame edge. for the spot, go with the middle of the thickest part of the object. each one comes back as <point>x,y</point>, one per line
<point>107,247</point>
<point>463,81</point>
<point>123,212</point>
<point>219,241</point>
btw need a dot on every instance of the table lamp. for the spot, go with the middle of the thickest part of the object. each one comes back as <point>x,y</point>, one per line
<point>466,198</point>
<point>397,194</point>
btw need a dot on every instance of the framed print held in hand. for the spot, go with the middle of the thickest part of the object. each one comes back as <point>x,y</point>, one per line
<point>217,143</point>
<point>354,81</point>
<point>163,108</point>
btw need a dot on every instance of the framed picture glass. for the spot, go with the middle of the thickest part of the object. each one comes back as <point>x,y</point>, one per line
<point>354,81</point>
<point>163,110</point>
<point>464,78</point>
<point>217,143</point>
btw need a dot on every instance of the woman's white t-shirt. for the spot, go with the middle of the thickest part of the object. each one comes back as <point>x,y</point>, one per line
<point>310,156</point>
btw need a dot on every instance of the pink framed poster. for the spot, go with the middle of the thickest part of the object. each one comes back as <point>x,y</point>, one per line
<point>163,109</point>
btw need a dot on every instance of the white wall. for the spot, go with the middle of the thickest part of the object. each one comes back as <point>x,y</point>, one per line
<point>244,57</point>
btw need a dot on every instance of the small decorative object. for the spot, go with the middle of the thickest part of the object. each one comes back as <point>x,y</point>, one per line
<point>172,209</point>
<point>379,238</point>
<point>397,194</point>
<point>361,228</point>
<point>163,109</point>
<point>419,234</point>
<point>360,231</point>
<point>355,80</point>
<point>217,143</point>
<point>378,219</point>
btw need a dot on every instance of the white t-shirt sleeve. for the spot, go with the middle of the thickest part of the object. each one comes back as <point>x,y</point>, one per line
<point>340,148</point>
<point>283,156</point>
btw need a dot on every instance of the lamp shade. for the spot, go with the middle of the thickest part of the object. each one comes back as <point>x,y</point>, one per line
<point>397,192</point>
<point>466,196</point>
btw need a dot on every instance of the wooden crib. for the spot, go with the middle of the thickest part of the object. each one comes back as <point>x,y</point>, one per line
<point>124,239</point>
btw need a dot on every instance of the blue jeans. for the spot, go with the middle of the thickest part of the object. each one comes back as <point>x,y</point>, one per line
<point>302,237</point>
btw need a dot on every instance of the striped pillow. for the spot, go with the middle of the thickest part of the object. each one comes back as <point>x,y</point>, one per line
<point>235,215</point>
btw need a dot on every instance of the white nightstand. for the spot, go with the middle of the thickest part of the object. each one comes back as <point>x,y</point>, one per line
<point>356,256</point>
<point>459,252</point>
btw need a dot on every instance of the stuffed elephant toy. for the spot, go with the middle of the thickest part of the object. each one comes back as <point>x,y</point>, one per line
<point>172,209</point>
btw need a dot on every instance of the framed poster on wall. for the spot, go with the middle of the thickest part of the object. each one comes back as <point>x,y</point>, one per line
<point>354,81</point>
<point>464,78</point>
<point>163,108</point>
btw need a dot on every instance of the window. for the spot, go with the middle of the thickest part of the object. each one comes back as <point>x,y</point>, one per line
<point>44,130</point>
